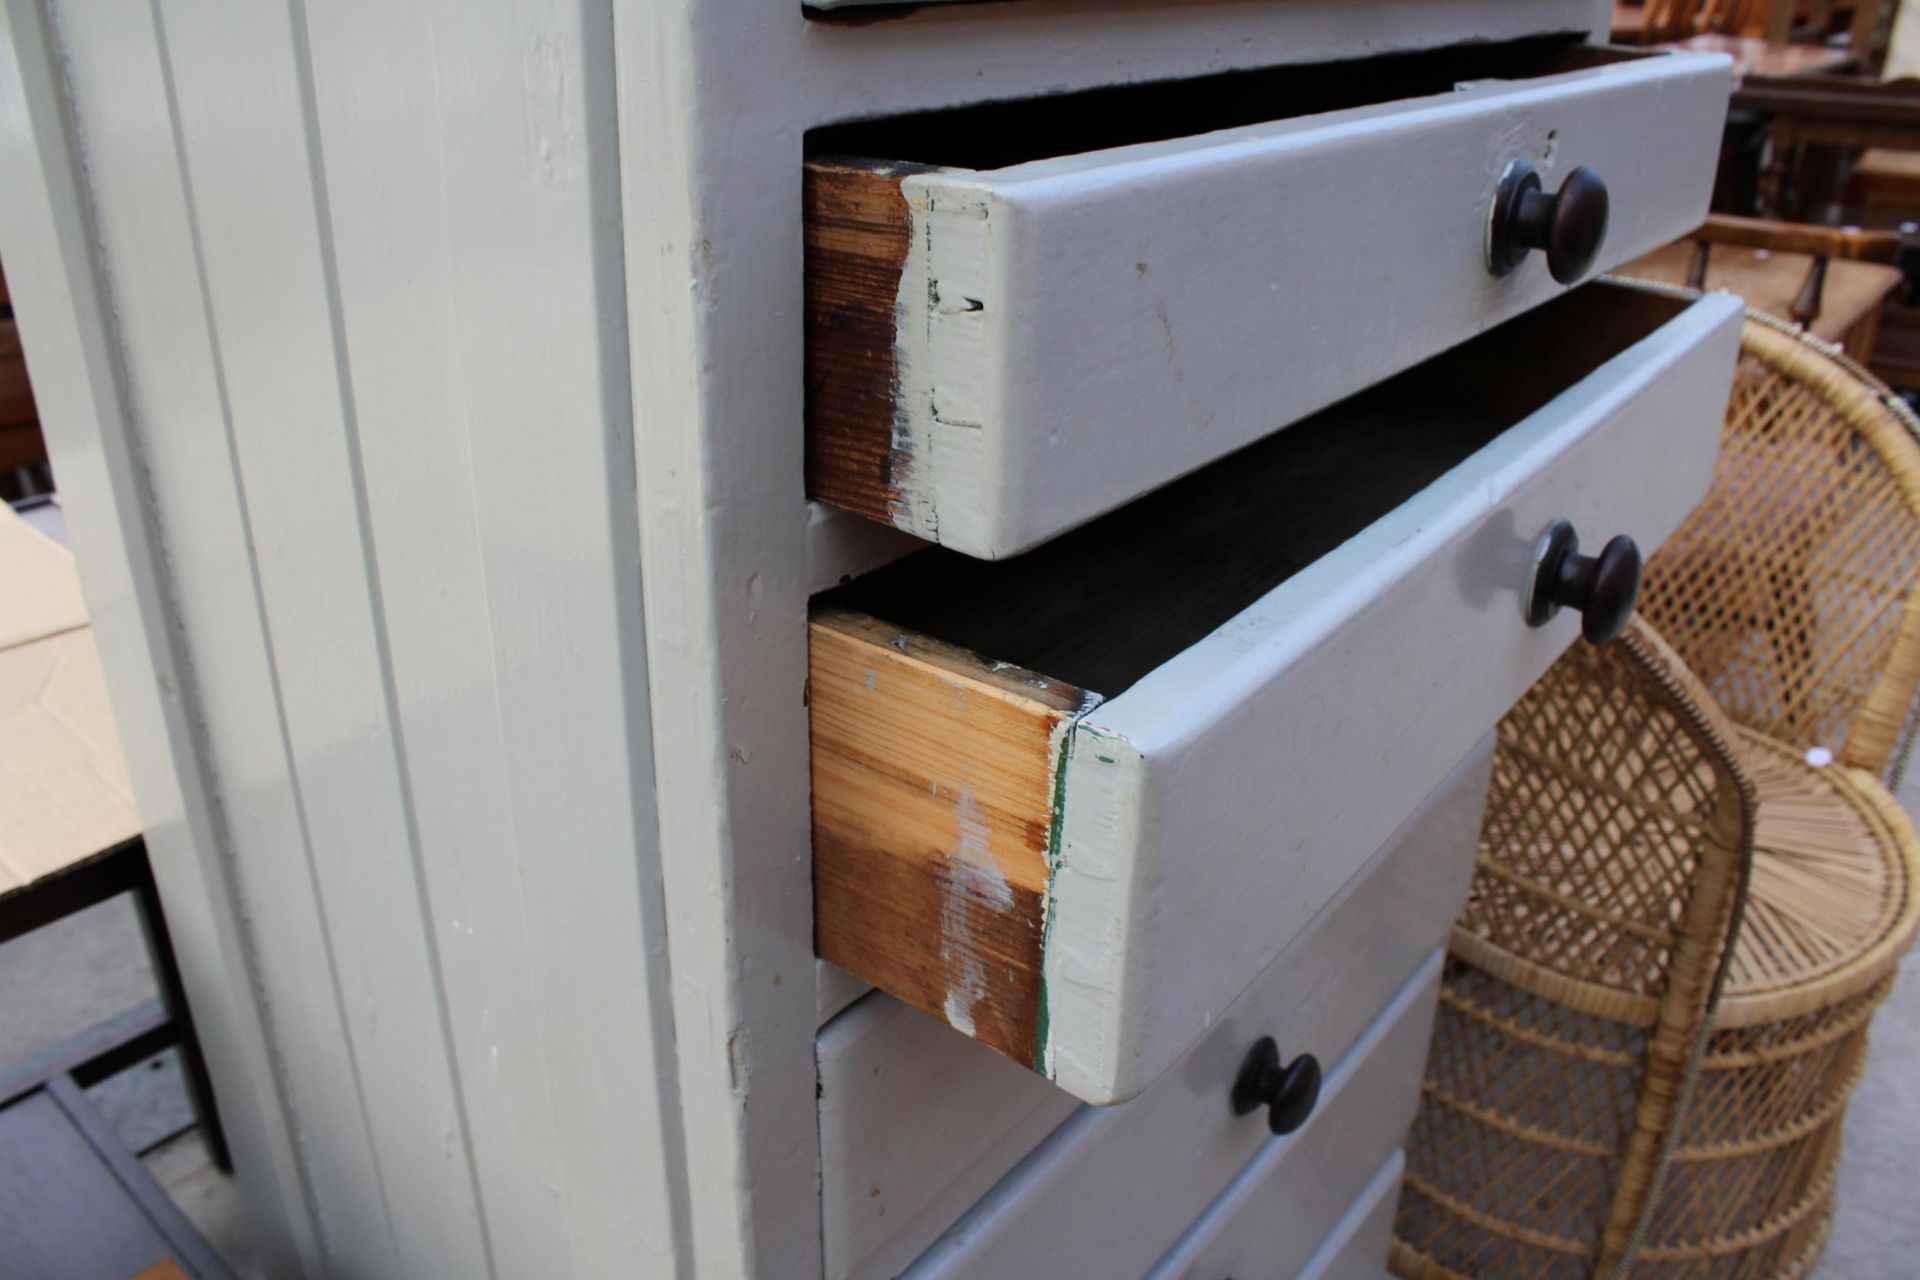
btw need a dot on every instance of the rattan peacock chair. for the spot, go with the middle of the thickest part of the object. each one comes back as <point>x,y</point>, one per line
<point>1588,1109</point>
<point>1575,997</point>
<point>1791,591</point>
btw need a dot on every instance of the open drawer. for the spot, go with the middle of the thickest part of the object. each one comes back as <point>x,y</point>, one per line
<point>1022,315</point>
<point>1074,802</point>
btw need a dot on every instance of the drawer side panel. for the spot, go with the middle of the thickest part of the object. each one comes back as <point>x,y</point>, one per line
<point>857,232</point>
<point>933,793</point>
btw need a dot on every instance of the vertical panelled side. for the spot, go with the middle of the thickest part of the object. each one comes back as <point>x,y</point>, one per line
<point>240,84</point>
<point>151,627</point>
<point>180,418</point>
<point>857,231</point>
<point>471,182</point>
<point>710,202</point>
<point>933,792</point>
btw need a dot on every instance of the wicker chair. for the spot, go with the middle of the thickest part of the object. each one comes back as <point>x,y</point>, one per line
<point>1575,998</point>
<point>1790,591</point>
<point>1611,1084</point>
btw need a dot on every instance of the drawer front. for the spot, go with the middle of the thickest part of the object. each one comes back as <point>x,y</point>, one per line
<point>1300,735</point>
<point>1053,338</point>
<point>918,1122</point>
<point>1245,1239</point>
<point>1356,1249</point>
<point>1086,884</point>
<point>1107,1198</point>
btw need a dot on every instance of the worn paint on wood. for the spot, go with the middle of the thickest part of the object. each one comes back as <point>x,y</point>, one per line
<point>1066,333</point>
<point>857,230</point>
<point>710,107</point>
<point>933,779</point>
<point>916,1126</point>
<point>1268,713</point>
<point>1052,1218</point>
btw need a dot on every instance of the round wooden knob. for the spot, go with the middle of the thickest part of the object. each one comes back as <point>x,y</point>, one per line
<point>1570,224</point>
<point>1288,1092</point>
<point>1604,588</point>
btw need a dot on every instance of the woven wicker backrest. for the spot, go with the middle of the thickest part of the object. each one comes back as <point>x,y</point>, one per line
<point>1790,591</point>
<point>1614,791</point>
<point>1616,839</point>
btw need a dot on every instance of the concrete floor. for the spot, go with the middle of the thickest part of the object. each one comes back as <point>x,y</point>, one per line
<point>65,978</point>
<point>61,980</point>
<point>1876,1230</point>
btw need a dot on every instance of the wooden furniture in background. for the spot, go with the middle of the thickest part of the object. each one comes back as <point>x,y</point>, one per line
<point>1834,280</point>
<point>20,442</point>
<point>1883,187</point>
<point>1759,56</point>
<point>1770,22</point>
<point>1807,115</point>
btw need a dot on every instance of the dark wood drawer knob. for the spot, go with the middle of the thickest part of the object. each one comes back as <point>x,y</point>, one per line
<point>1287,1092</point>
<point>1604,588</point>
<point>1570,224</point>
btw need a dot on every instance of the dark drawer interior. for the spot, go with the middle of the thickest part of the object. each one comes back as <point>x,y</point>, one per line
<point>1103,605</point>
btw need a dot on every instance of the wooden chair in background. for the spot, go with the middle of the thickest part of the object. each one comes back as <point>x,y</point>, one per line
<point>1777,22</point>
<point>1833,280</point>
<point>1812,114</point>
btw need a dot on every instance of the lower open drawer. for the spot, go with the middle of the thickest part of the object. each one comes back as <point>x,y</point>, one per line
<point>1074,802</point>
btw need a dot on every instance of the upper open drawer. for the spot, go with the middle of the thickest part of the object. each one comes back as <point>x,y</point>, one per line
<point>1022,315</point>
<point>1073,802</point>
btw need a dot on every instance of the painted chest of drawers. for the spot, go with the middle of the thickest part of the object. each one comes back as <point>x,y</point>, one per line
<point>761,640</point>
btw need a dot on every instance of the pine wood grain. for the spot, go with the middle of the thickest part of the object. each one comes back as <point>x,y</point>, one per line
<point>933,786</point>
<point>857,227</point>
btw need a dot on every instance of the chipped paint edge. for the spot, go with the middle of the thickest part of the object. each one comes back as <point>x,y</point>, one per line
<point>946,318</point>
<point>1098,811</point>
<point>1064,735</point>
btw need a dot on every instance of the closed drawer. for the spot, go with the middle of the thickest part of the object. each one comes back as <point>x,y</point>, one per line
<point>1073,803</point>
<point>1023,315</point>
<point>1356,1248</point>
<point>1246,1240</point>
<point>918,1122</point>
<point>1084,1206</point>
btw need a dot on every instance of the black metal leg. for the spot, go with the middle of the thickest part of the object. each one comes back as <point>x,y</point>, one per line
<point>153,923</point>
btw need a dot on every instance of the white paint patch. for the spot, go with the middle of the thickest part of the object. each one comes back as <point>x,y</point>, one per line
<point>973,879</point>
<point>946,377</point>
